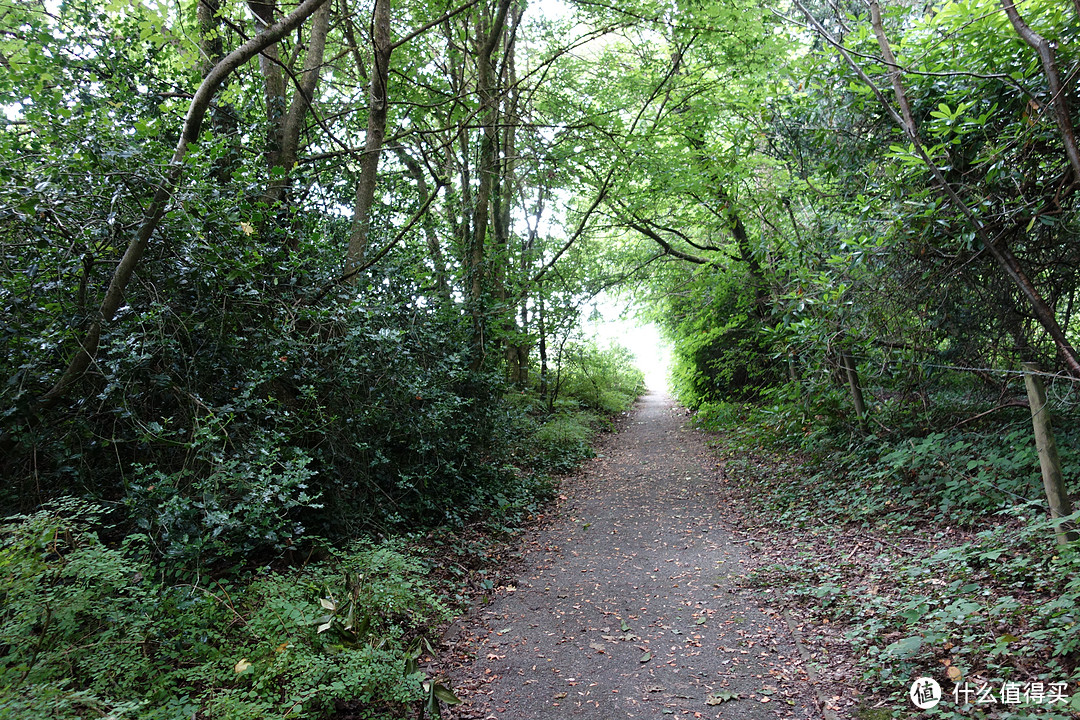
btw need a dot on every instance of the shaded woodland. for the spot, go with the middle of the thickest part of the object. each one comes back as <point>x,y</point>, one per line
<point>292,297</point>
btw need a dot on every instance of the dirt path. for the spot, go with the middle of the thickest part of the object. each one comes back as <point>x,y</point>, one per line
<point>624,607</point>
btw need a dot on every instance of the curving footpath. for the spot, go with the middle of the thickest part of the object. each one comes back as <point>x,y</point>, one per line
<point>624,606</point>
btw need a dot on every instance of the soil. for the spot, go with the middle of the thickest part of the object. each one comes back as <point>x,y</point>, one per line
<point>626,603</point>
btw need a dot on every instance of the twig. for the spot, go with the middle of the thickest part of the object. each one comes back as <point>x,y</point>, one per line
<point>1010,404</point>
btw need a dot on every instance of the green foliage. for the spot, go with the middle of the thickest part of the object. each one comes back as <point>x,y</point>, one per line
<point>603,379</point>
<point>235,510</point>
<point>592,384</point>
<point>718,350</point>
<point>946,477</point>
<point>562,442</point>
<point>244,401</point>
<point>995,608</point>
<point>718,415</point>
<point>63,589</point>
<point>287,644</point>
<point>243,409</point>
<point>240,400</point>
<point>930,549</point>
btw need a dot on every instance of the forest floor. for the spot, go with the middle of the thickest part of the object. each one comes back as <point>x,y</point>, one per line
<point>630,601</point>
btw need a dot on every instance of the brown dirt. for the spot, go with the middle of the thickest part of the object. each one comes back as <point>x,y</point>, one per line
<point>625,604</point>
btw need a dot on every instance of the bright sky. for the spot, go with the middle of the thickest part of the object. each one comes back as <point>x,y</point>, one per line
<point>552,8</point>
<point>652,354</point>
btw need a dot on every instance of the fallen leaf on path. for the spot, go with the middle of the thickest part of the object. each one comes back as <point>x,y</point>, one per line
<point>721,697</point>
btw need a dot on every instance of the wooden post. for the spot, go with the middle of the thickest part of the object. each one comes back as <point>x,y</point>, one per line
<point>856,390</point>
<point>1049,462</point>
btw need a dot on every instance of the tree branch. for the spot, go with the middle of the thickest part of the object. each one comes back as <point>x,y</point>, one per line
<point>88,344</point>
<point>1053,78</point>
<point>1001,254</point>
<point>668,249</point>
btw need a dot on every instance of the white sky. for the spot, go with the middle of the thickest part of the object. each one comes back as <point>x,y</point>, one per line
<point>651,353</point>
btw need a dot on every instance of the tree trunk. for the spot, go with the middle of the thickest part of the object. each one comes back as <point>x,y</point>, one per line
<point>114,294</point>
<point>542,345</point>
<point>487,168</point>
<point>503,197</point>
<point>379,104</point>
<point>1049,463</point>
<point>1053,78</point>
<point>303,95</point>
<point>223,119</point>
<point>852,373</point>
<point>435,254</point>
<point>273,82</point>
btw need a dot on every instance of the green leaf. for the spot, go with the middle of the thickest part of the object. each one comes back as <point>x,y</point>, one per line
<point>646,657</point>
<point>721,697</point>
<point>906,648</point>
<point>444,694</point>
<point>434,710</point>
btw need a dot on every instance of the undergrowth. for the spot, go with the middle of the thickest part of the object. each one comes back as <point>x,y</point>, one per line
<point>167,605</point>
<point>89,630</point>
<point>932,549</point>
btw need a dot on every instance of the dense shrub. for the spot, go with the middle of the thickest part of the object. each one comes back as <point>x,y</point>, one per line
<point>243,416</point>
<point>88,628</point>
<point>604,379</point>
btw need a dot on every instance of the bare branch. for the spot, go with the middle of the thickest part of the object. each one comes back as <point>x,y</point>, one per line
<point>200,103</point>
<point>1053,78</point>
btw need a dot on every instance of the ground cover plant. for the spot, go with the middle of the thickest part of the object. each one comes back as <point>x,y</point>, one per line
<point>93,630</point>
<point>101,620</point>
<point>913,556</point>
